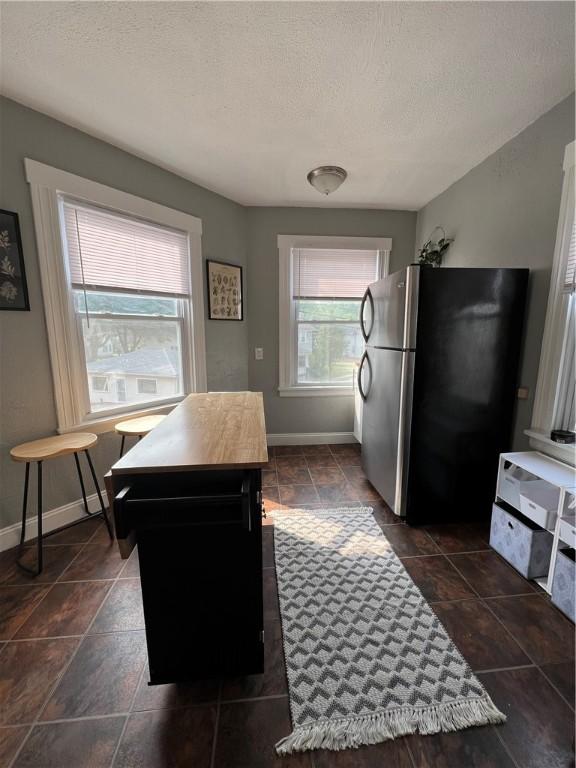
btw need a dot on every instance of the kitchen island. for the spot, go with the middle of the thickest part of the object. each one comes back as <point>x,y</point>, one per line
<point>189,496</point>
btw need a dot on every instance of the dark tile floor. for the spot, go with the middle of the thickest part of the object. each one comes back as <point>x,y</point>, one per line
<point>73,690</point>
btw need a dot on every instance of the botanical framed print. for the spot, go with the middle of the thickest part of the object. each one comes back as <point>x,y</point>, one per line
<point>224,291</point>
<point>13,288</point>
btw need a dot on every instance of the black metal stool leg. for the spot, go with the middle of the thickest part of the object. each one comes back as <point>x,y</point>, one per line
<point>24,508</point>
<point>102,507</point>
<point>39,542</point>
<point>39,563</point>
<point>122,446</point>
<point>82,486</point>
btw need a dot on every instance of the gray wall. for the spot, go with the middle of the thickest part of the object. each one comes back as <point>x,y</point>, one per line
<point>305,414</point>
<point>504,213</point>
<point>27,407</point>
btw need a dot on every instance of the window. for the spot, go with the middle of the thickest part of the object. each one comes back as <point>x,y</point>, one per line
<point>130,281</point>
<point>99,383</point>
<point>322,281</point>
<point>121,390</point>
<point>147,386</point>
<point>554,403</point>
<point>123,292</point>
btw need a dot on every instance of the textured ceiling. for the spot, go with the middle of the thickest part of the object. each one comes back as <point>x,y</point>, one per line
<point>246,97</point>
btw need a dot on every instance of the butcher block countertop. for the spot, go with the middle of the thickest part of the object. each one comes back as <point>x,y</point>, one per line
<point>216,430</point>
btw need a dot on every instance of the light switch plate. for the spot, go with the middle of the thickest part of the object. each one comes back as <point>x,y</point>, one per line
<point>258,353</point>
<point>522,393</point>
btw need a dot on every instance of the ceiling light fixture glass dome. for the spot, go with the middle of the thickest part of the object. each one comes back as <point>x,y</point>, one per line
<point>327,178</point>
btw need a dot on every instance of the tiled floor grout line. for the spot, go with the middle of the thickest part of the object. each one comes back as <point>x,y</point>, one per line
<point>410,755</point>
<point>503,669</point>
<point>31,728</point>
<point>485,601</point>
<point>127,719</point>
<point>24,740</point>
<point>48,585</point>
<point>494,729</point>
<point>504,627</point>
<point>216,725</point>
<point>70,637</point>
<point>505,747</point>
<point>553,685</point>
<point>219,702</point>
<point>67,666</point>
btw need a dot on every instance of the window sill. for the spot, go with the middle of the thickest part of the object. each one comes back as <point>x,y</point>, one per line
<point>315,391</point>
<point>561,451</point>
<point>99,426</point>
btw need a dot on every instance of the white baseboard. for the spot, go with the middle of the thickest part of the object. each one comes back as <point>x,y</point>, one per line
<point>311,438</point>
<point>55,518</point>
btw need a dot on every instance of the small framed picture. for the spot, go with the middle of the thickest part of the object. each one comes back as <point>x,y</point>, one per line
<point>13,288</point>
<point>224,291</point>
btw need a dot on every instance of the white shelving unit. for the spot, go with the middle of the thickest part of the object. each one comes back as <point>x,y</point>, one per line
<point>560,520</point>
<point>565,531</point>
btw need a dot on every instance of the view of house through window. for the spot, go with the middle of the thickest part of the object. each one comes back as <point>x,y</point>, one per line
<point>328,286</point>
<point>132,347</point>
<point>131,282</point>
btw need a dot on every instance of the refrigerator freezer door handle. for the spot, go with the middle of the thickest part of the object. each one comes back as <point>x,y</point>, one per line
<point>364,359</point>
<point>367,297</point>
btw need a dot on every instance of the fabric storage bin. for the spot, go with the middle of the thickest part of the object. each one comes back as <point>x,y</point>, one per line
<point>539,501</point>
<point>521,542</point>
<point>510,480</point>
<point>563,589</point>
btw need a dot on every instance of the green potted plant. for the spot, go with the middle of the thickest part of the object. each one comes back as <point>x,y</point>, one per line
<point>432,251</point>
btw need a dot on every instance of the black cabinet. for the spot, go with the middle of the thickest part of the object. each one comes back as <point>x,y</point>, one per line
<point>199,537</point>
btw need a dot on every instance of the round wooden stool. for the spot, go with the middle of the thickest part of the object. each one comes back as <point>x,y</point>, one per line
<point>137,428</point>
<point>44,450</point>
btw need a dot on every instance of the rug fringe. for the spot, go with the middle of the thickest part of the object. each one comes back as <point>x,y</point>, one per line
<point>353,732</point>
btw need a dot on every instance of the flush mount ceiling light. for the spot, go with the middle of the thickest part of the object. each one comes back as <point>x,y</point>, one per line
<point>327,178</point>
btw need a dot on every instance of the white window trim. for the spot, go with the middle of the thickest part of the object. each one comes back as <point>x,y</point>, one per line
<point>46,184</point>
<point>545,400</point>
<point>286,243</point>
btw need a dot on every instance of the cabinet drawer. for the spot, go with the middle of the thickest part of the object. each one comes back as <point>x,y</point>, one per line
<point>539,502</point>
<point>510,481</point>
<point>567,531</point>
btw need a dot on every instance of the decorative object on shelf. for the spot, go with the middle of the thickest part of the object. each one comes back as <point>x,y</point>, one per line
<point>224,291</point>
<point>327,178</point>
<point>433,250</point>
<point>562,436</point>
<point>13,288</point>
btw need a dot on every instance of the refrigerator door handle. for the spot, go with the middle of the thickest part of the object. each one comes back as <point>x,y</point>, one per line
<point>365,358</point>
<point>367,297</point>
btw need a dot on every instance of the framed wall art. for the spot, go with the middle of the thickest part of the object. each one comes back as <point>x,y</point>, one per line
<point>13,288</point>
<point>224,291</point>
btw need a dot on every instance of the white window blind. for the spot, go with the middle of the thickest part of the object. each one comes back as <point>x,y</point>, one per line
<point>319,273</point>
<point>570,274</point>
<point>108,250</point>
<point>568,244</point>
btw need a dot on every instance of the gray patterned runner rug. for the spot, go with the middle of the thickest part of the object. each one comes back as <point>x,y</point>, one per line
<point>366,657</point>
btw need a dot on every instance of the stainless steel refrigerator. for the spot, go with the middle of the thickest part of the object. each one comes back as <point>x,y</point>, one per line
<point>438,379</point>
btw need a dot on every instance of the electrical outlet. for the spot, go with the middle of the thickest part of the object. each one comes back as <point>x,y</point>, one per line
<point>258,353</point>
<point>522,393</point>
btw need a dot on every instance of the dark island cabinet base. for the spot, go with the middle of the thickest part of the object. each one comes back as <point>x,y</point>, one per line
<point>199,537</point>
